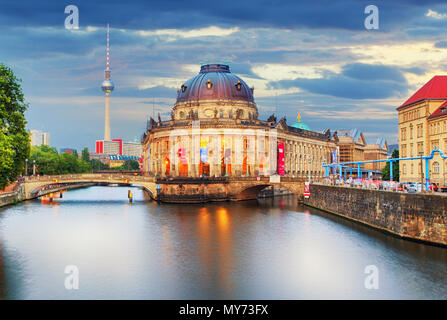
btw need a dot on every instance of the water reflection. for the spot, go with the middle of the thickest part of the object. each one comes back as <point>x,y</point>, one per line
<point>266,249</point>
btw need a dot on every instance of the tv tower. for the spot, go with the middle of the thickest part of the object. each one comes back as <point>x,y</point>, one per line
<point>107,86</point>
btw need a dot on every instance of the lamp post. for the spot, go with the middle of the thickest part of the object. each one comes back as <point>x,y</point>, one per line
<point>26,167</point>
<point>34,167</point>
<point>421,153</point>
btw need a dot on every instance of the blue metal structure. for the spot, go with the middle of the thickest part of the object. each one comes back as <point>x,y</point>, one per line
<point>340,166</point>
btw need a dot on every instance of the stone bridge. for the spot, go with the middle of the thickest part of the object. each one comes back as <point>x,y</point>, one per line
<point>171,190</point>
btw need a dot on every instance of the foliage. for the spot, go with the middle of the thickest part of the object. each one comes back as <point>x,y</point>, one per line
<point>49,162</point>
<point>14,139</point>
<point>85,155</point>
<point>130,165</point>
<point>98,165</point>
<point>386,170</point>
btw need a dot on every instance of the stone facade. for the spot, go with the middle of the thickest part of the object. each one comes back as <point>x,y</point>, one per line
<point>422,128</point>
<point>214,131</point>
<point>421,217</point>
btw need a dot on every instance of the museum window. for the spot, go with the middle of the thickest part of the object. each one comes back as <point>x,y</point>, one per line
<point>436,167</point>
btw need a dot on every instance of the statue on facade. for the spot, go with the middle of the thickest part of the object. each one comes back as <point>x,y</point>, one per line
<point>159,118</point>
<point>239,113</point>
<point>152,121</point>
<point>272,118</point>
<point>215,113</point>
<point>172,115</point>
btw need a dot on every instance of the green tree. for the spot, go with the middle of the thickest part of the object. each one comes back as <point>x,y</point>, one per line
<point>131,165</point>
<point>98,165</point>
<point>14,139</point>
<point>386,170</point>
<point>49,162</point>
<point>85,155</point>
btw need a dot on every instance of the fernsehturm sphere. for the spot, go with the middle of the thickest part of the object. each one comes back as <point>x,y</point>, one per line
<point>107,86</point>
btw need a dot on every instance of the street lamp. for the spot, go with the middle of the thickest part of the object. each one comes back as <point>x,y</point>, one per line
<point>34,167</point>
<point>421,153</point>
<point>26,167</point>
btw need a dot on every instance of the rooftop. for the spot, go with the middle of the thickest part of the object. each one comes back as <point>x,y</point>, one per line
<point>436,88</point>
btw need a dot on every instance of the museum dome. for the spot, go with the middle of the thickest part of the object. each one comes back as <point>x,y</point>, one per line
<point>300,125</point>
<point>215,82</point>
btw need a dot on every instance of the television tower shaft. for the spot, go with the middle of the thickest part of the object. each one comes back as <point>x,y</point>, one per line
<point>107,87</point>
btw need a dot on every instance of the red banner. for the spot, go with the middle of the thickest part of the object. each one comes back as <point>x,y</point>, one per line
<point>281,161</point>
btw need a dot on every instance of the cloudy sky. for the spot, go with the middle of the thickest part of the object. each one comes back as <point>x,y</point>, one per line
<point>312,57</point>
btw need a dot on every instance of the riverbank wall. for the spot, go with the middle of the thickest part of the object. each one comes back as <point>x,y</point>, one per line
<point>419,217</point>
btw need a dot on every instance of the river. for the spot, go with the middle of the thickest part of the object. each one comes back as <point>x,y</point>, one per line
<point>265,249</point>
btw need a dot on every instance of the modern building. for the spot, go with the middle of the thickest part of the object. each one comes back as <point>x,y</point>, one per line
<point>214,130</point>
<point>39,138</point>
<point>118,147</point>
<point>422,128</point>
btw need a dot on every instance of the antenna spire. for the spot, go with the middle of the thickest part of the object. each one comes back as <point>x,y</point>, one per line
<point>107,72</point>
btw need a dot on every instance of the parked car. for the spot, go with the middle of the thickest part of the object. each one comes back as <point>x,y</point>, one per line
<point>412,188</point>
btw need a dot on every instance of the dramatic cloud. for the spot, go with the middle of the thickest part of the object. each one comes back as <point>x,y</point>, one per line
<point>310,57</point>
<point>356,81</point>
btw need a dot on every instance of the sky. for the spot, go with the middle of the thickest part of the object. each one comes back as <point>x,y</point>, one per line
<point>310,57</point>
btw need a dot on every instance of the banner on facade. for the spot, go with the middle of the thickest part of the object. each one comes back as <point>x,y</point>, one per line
<point>227,156</point>
<point>203,155</point>
<point>182,155</point>
<point>281,162</point>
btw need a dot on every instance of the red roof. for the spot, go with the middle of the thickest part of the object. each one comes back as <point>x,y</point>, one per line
<point>441,111</point>
<point>436,88</point>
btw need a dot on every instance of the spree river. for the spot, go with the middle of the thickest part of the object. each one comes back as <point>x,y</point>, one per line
<point>266,249</point>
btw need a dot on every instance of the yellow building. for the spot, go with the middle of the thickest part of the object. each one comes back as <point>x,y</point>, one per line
<point>353,147</point>
<point>422,128</point>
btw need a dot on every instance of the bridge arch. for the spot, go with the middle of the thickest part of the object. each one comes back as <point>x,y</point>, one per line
<point>252,192</point>
<point>39,186</point>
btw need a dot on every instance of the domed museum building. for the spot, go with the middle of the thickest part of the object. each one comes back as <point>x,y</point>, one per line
<point>214,131</point>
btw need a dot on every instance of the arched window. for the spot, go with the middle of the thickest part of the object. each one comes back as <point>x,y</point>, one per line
<point>436,167</point>
<point>182,115</point>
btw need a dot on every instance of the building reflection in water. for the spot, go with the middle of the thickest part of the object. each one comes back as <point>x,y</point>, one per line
<point>215,250</point>
<point>225,252</point>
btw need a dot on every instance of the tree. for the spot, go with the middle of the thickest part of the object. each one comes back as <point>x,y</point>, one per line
<point>49,162</point>
<point>85,155</point>
<point>98,165</point>
<point>14,139</point>
<point>386,170</point>
<point>131,165</point>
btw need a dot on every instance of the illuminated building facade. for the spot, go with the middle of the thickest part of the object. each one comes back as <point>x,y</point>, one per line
<point>214,130</point>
